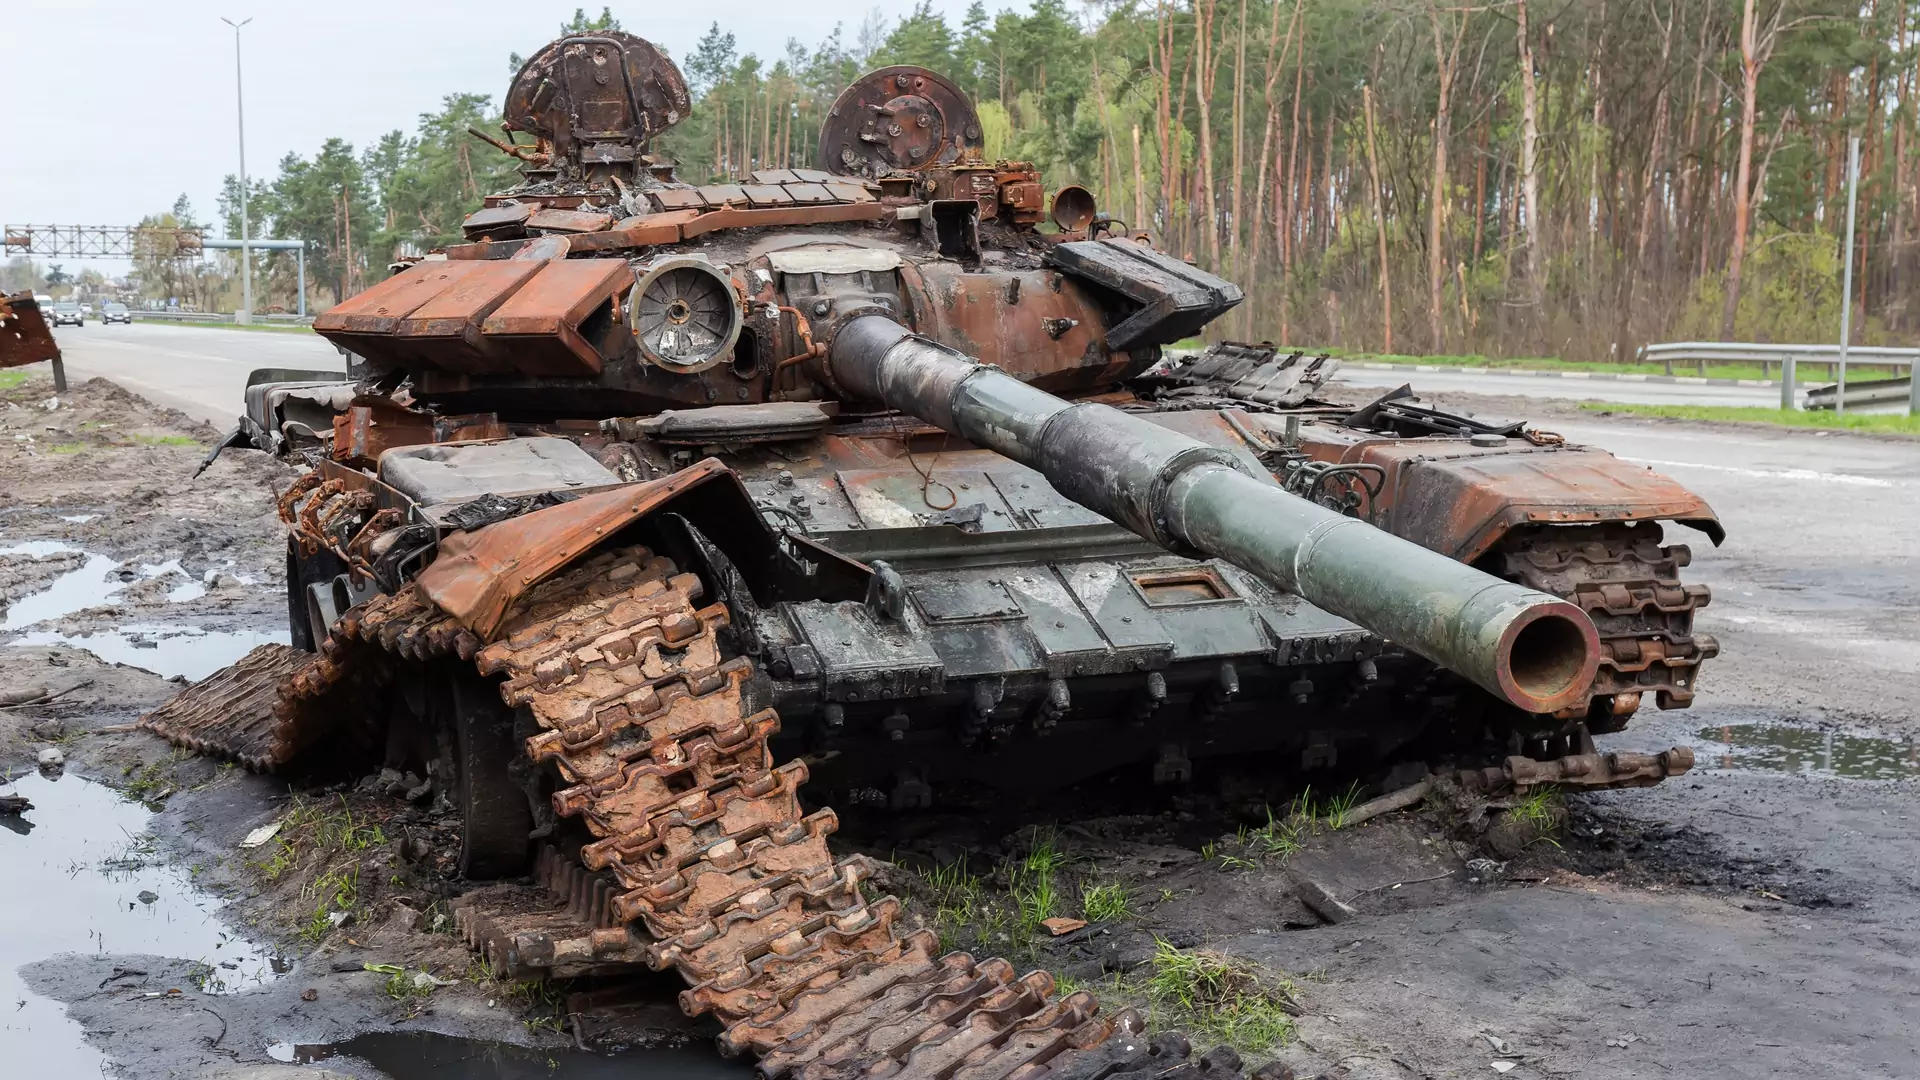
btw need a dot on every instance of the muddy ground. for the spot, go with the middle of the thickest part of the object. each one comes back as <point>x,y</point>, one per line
<point>1758,917</point>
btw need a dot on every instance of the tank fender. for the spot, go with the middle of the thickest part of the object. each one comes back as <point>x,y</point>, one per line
<point>477,575</point>
<point>1461,505</point>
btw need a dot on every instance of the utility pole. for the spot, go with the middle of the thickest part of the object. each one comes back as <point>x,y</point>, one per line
<point>245,314</point>
<point>1846,276</point>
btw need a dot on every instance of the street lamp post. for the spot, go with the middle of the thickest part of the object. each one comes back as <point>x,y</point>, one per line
<point>245,314</point>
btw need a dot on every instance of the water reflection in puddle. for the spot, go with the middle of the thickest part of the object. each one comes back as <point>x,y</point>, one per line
<point>1782,748</point>
<point>93,585</point>
<point>164,650</point>
<point>37,549</point>
<point>426,1056</point>
<point>80,878</point>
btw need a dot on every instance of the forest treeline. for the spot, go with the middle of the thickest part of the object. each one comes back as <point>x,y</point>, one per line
<point>1512,177</point>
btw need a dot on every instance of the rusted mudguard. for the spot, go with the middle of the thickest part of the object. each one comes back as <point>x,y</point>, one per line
<point>24,335</point>
<point>477,576</point>
<point>1460,500</point>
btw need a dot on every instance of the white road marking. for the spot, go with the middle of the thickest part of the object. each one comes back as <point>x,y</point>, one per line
<point>1770,474</point>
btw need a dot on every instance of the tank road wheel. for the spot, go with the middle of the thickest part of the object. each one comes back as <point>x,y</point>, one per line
<point>495,819</point>
<point>303,572</point>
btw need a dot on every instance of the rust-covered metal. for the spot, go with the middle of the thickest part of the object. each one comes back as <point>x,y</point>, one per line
<point>543,318</point>
<point>1460,499</point>
<point>595,102</point>
<point>479,575</point>
<point>25,337</point>
<point>898,119</point>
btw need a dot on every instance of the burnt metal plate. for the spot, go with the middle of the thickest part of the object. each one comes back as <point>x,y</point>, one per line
<point>1121,615</point>
<point>724,194</point>
<point>901,499</point>
<point>767,195</point>
<point>865,659</point>
<point>1035,503</point>
<point>959,598</point>
<point>1069,643</point>
<point>678,199</point>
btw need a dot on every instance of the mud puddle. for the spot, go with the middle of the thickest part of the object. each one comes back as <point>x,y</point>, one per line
<point>1807,751</point>
<point>165,650</point>
<point>430,1056</point>
<point>81,877</point>
<point>94,584</point>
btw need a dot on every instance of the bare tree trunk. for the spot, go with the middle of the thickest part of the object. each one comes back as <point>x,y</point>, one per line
<point>1203,100</point>
<point>1165,118</point>
<point>1285,224</point>
<point>1266,162</point>
<point>1444,60</point>
<point>1480,189</point>
<point>1750,63</point>
<point>1380,217</point>
<point>1532,244</point>
<point>1239,141</point>
<point>1139,184</point>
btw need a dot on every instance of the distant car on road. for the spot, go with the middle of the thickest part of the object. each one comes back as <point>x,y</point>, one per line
<point>66,311</point>
<point>111,313</point>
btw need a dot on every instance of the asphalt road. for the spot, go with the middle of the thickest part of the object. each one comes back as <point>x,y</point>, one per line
<point>202,370</point>
<point>199,370</point>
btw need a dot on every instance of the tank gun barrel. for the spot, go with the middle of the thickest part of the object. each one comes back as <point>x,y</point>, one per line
<point>1528,648</point>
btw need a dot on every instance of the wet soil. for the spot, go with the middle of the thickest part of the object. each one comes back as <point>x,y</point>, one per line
<point>1760,916</point>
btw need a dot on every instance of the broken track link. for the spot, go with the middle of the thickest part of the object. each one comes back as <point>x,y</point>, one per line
<point>1629,585</point>
<point>715,871</point>
<point>271,705</point>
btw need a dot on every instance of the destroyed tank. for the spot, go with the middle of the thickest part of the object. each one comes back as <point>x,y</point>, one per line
<point>888,470</point>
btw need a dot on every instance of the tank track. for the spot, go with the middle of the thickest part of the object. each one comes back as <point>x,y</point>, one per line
<point>715,871</point>
<point>1629,584</point>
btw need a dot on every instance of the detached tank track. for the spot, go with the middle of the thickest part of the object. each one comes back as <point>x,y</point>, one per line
<point>1629,584</point>
<point>710,853</point>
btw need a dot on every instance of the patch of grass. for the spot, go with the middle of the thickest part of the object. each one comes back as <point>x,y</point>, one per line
<point>11,379</point>
<point>1106,903</point>
<point>334,891</point>
<point>150,785</point>
<point>66,448</point>
<point>1220,999</point>
<point>321,827</point>
<point>165,440</point>
<point>1035,888</point>
<point>958,902</point>
<point>1341,805</point>
<point>1540,808</point>
<point>1880,423</point>
<point>1277,839</point>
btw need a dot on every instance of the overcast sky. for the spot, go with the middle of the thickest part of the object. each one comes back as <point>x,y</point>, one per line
<point>113,108</point>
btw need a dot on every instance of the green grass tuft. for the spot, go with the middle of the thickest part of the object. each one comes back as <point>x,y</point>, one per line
<point>1882,423</point>
<point>1035,888</point>
<point>1106,903</point>
<point>1220,999</point>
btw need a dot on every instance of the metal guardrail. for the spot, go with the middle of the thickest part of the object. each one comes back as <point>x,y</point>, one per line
<point>1863,395</point>
<point>1789,357</point>
<point>1737,352</point>
<point>218,317</point>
